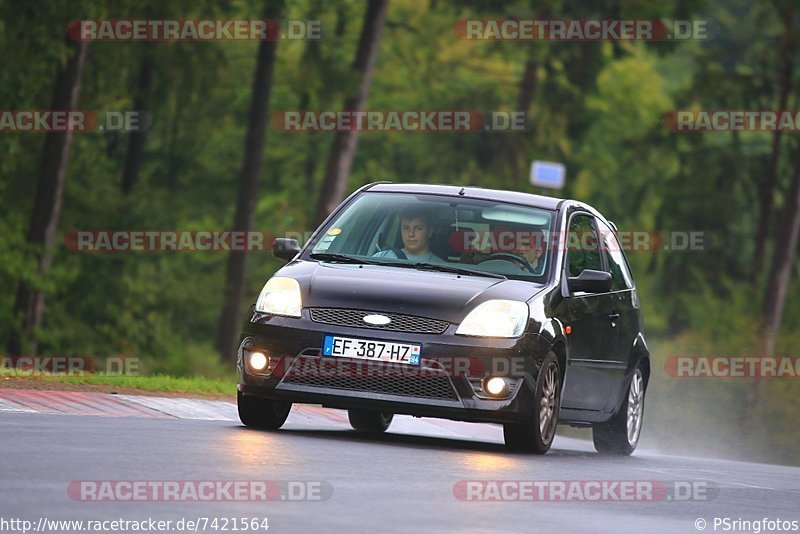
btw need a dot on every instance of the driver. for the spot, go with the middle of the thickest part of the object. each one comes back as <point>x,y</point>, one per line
<point>534,253</point>
<point>526,254</point>
<point>416,229</point>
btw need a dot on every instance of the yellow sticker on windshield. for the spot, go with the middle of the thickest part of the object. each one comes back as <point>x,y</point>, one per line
<point>334,231</point>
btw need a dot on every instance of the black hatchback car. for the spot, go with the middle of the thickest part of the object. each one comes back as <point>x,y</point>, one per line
<point>453,302</point>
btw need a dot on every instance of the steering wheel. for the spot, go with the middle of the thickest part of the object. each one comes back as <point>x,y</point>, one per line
<point>513,258</point>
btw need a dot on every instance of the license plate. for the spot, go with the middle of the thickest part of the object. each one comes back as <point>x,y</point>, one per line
<point>369,349</point>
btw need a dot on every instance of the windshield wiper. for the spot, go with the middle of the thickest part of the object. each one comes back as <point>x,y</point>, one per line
<point>342,258</point>
<point>457,270</point>
<point>445,269</point>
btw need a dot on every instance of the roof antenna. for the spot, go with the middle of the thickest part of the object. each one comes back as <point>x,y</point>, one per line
<point>462,192</point>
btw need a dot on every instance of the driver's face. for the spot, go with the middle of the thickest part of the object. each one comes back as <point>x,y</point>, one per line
<point>415,233</point>
<point>532,255</point>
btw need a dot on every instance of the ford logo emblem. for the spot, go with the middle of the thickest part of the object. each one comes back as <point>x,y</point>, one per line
<point>377,320</point>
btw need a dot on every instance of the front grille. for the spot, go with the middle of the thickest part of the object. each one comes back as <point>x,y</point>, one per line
<point>369,377</point>
<point>399,323</point>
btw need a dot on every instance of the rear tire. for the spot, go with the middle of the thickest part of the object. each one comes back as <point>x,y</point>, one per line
<point>266,414</point>
<point>620,435</point>
<point>370,420</point>
<point>536,435</point>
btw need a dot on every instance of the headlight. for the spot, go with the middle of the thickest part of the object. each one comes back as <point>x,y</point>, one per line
<point>496,318</point>
<point>280,296</point>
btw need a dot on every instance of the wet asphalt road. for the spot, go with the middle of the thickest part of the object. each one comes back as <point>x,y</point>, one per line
<point>406,480</point>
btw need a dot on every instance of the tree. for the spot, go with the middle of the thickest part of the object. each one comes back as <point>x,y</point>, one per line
<point>248,189</point>
<point>767,196</point>
<point>133,158</point>
<point>340,161</point>
<point>29,302</point>
<point>779,277</point>
<point>784,257</point>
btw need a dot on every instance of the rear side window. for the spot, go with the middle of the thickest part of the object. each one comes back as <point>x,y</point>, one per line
<point>617,265</point>
<point>583,251</point>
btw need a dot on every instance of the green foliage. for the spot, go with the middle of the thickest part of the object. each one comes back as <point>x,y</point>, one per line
<point>156,382</point>
<point>597,107</point>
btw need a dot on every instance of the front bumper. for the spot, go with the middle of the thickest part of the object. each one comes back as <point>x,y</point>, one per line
<point>445,385</point>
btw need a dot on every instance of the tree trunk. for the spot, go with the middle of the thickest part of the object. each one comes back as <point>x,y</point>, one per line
<point>777,287</point>
<point>133,159</point>
<point>310,163</point>
<point>340,161</point>
<point>785,255</point>
<point>514,152</point>
<point>767,195</point>
<point>527,86</point>
<point>29,302</point>
<point>235,278</point>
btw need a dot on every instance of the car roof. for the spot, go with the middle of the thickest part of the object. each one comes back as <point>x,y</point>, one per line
<point>514,197</point>
<point>500,195</point>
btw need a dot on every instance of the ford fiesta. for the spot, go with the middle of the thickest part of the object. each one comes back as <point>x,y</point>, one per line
<point>453,302</point>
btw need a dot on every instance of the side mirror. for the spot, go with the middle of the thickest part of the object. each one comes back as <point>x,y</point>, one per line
<point>285,248</point>
<point>590,281</point>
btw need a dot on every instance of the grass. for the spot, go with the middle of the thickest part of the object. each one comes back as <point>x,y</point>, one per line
<point>202,385</point>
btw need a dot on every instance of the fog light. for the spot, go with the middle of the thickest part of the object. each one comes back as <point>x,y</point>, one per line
<point>258,361</point>
<point>495,386</point>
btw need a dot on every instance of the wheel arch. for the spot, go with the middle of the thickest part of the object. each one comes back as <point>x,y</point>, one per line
<point>559,348</point>
<point>641,358</point>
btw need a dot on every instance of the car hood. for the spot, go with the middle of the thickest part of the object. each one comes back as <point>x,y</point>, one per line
<point>401,290</point>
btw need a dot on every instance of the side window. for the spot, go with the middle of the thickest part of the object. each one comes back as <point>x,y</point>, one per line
<point>620,274</point>
<point>583,251</point>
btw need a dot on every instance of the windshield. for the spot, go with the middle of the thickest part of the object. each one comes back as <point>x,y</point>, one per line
<point>444,233</point>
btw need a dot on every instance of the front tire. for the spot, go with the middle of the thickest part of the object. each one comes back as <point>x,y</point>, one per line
<point>266,414</point>
<point>620,435</point>
<point>370,421</point>
<point>536,435</point>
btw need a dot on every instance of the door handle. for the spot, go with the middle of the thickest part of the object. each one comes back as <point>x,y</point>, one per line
<point>613,317</point>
